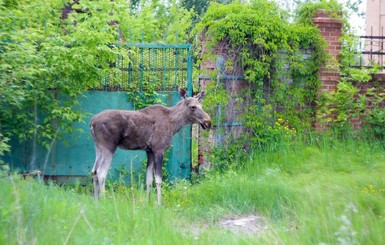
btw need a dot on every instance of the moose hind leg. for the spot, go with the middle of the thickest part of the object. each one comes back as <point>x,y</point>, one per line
<point>158,176</point>
<point>97,163</point>
<point>96,185</point>
<point>149,173</point>
<point>103,169</point>
<point>100,169</point>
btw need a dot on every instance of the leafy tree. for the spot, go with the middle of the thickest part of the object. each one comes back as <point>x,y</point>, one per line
<point>52,51</point>
<point>155,21</point>
<point>43,58</point>
<point>199,6</point>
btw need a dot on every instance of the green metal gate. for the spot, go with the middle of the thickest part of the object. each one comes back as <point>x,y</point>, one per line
<point>159,66</point>
<point>143,67</point>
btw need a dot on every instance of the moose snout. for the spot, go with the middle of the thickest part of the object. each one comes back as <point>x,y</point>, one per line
<point>207,123</point>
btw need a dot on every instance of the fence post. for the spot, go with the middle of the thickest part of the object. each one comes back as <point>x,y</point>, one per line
<point>330,29</point>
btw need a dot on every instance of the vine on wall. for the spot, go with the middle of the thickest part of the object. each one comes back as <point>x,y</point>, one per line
<point>271,54</point>
<point>338,109</point>
<point>280,61</point>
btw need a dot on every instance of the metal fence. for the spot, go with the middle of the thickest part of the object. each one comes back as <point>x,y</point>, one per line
<point>371,51</point>
<point>163,67</point>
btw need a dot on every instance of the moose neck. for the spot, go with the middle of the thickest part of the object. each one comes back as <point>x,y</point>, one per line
<point>178,119</point>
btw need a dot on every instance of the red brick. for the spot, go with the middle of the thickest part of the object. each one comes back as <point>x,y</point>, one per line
<point>336,43</point>
<point>331,39</point>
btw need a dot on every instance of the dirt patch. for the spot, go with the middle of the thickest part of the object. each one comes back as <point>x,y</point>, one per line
<point>248,224</point>
<point>251,224</point>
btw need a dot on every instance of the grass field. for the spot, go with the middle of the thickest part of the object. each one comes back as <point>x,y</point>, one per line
<point>318,192</point>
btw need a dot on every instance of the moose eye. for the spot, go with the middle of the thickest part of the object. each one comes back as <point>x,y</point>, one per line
<point>193,108</point>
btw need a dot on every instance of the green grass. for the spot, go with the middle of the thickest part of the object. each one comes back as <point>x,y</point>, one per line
<point>324,191</point>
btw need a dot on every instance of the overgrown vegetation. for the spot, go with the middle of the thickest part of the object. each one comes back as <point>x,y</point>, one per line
<point>308,10</point>
<point>257,41</point>
<point>348,102</point>
<point>313,190</point>
<point>52,51</point>
<point>280,60</point>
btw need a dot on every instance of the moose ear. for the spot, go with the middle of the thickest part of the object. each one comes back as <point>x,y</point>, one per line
<point>182,93</point>
<point>201,96</point>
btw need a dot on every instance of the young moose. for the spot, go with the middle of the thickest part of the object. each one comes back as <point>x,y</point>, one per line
<point>150,129</point>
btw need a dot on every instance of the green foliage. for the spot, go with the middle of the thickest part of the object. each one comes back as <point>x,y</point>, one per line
<point>154,21</point>
<point>350,57</point>
<point>198,6</point>
<point>45,58</point>
<point>4,147</point>
<point>216,101</point>
<point>279,59</point>
<point>375,116</point>
<point>47,61</point>
<point>142,99</point>
<point>338,108</point>
<point>230,157</point>
<point>308,10</point>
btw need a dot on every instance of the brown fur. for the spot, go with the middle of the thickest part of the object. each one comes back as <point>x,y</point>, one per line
<point>150,129</point>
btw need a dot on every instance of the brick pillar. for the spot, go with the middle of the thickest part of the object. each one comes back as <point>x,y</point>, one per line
<point>330,29</point>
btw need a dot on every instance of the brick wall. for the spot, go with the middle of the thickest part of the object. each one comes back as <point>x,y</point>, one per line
<point>378,82</point>
<point>330,29</point>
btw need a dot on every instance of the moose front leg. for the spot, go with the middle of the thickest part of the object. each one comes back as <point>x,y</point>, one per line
<point>158,176</point>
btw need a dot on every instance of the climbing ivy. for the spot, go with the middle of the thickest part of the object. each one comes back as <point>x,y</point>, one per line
<point>278,59</point>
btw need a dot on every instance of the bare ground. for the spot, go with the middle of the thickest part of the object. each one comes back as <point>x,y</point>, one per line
<point>248,225</point>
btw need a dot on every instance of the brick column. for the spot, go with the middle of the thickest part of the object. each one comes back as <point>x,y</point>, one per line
<point>330,29</point>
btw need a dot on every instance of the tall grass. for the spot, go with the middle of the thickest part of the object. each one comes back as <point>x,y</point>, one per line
<point>309,191</point>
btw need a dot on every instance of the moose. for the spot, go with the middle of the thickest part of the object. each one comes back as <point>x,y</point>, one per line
<point>150,129</point>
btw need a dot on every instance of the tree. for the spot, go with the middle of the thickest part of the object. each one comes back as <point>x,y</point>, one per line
<point>52,51</point>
